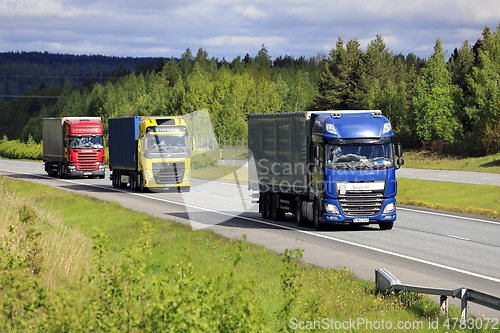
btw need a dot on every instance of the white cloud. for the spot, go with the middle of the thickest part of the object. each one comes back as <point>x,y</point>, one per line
<point>251,12</point>
<point>228,28</point>
<point>243,41</point>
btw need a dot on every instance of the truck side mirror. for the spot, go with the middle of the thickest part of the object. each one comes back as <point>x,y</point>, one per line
<point>107,142</point>
<point>317,152</point>
<point>399,150</point>
<point>193,145</point>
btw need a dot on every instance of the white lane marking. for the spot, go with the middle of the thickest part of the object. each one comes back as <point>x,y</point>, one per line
<point>458,237</point>
<point>447,215</point>
<point>423,261</point>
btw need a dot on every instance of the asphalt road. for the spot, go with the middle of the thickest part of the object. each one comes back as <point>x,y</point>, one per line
<point>426,248</point>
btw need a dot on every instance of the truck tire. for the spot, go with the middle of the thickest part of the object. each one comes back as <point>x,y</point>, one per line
<point>121,184</point>
<point>119,179</point>
<point>59,170</point>
<point>386,225</point>
<point>133,182</point>
<point>141,187</point>
<point>268,205</point>
<point>317,223</point>
<point>299,219</point>
<point>277,213</point>
<point>62,171</point>
<point>262,205</point>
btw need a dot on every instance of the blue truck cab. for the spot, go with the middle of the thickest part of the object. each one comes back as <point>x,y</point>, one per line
<point>325,167</point>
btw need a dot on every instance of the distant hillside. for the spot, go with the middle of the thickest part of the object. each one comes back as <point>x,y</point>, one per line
<point>24,71</point>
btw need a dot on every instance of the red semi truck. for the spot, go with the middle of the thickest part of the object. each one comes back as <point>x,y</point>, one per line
<point>73,147</point>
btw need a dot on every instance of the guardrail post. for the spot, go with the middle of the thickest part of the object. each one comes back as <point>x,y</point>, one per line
<point>443,302</point>
<point>463,296</point>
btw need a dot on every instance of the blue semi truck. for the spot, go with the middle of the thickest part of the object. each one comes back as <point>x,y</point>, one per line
<point>325,167</point>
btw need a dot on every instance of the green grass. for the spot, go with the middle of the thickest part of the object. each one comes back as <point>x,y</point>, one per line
<point>227,154</point>
<point>481,200</point>
<point>224,173</point>
<point>222,280</point>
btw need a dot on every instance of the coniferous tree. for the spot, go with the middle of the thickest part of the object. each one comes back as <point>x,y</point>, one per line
<point>460,66</point>
<point>339,86</point>
<point>433,102</point>
<point>484,104</point>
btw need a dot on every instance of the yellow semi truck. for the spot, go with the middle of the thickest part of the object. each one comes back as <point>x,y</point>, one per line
<point>150,152</point>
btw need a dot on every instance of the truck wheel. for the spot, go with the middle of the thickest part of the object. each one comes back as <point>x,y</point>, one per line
<point>268,205</point>
<point>113,179</point>
<point>133,182</point>
<point>119,179</point>
<point>59,170</point>
<point>317,224</point>
<point>278,214</point>
<point>386,225</point>
<point>262,205</point>
<point>185,189</point>
<point>299,219</point>
<point>141,184</point>
<point>122,184</point>
<point>62,171</point>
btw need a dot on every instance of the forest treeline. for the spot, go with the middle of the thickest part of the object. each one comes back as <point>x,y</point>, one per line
<point>24,71</point>
<point>446,102</point>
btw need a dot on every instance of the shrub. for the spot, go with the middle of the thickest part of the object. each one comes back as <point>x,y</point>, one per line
<point>201,161</point>
<point>15,149</point>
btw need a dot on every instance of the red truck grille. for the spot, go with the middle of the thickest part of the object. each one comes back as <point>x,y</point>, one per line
<point>86,161</point>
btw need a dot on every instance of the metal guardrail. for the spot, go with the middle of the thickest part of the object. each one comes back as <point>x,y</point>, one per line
<point>386,282</point>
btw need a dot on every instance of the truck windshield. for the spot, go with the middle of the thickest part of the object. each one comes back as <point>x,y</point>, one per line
<point>162,143</point>
<point>85,142</point>
<point>359,156</point>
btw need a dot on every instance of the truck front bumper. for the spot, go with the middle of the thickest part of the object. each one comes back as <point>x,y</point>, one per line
<point>94,173</point>
<point>340,218</point>
<point>74,172</point>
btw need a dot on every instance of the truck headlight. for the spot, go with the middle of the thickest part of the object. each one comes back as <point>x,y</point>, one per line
<point>387,128</point>
<point>149,176</point>
<point>331,209</point>
<point>390,208</point>
<point>187,175</point>
<point>330,128</point>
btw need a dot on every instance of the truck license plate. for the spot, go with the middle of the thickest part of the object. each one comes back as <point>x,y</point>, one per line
<point>87,173</point>
<point>362,220</point>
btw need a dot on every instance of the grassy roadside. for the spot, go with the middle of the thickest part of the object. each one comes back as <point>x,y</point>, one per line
<point>479,200</point>
<point>424,160</point>
<point>198,278</point>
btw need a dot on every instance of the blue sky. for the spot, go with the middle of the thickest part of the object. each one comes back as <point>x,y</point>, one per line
<point>231,28</point>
